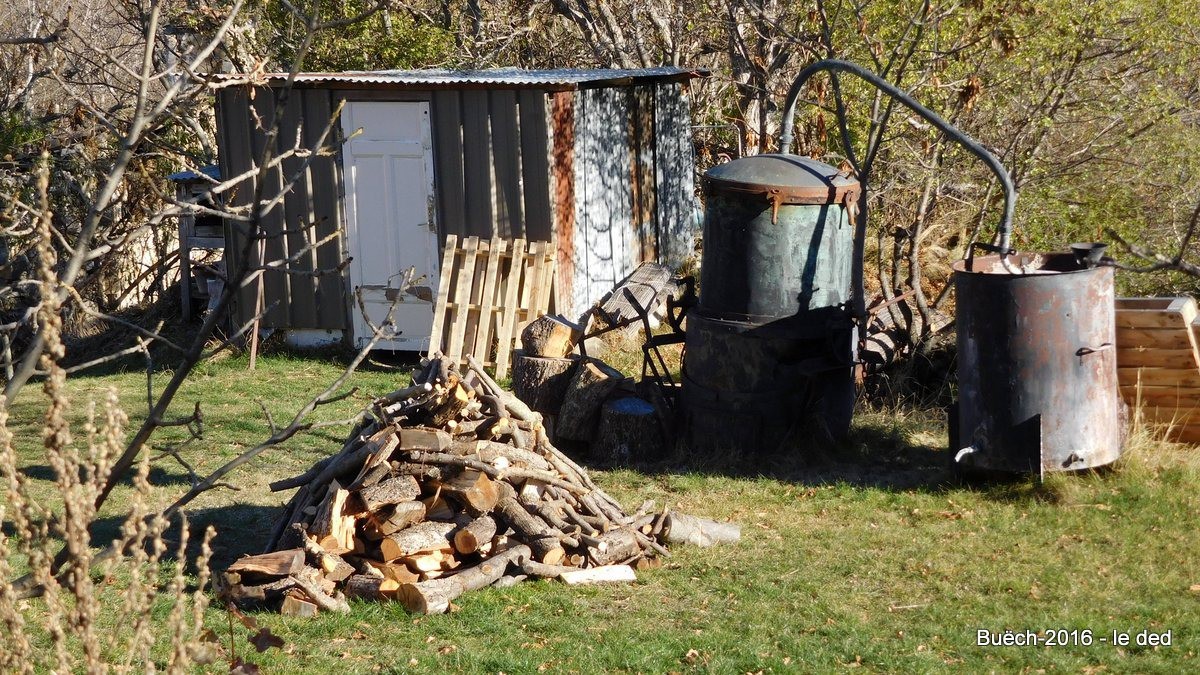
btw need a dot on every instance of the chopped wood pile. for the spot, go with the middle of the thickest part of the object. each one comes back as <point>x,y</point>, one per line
<point>448,486</point>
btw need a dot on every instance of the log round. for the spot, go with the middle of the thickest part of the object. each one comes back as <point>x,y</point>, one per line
<point>629,430</point>
<point>541,382</point>
<point>591,384</point>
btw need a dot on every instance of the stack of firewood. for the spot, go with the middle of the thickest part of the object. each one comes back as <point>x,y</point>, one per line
<point>448,486</point>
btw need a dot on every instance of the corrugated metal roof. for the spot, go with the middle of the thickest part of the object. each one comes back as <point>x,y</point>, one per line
<point>569,78</point>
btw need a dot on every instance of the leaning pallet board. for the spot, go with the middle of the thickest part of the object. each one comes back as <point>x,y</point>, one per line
<point>1158,362</point>
<point>488,291</point>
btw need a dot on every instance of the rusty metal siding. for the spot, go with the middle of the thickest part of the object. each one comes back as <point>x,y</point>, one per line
<point>675,169</point>
<point>563,173</point>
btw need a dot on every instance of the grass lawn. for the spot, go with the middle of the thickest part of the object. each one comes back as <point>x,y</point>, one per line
<point>868,556</point>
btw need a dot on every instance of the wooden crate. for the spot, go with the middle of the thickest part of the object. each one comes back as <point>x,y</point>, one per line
<point>1158,362</point>
<point>487,292</point>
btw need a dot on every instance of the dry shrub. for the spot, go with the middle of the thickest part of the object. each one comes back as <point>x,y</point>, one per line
<point>95,610</point>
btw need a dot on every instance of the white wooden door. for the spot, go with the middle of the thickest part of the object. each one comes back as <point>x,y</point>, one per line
<point>390,224</point>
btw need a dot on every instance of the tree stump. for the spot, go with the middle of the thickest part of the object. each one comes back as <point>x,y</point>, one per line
<point>592,382</point>
<point>629,429</point>
<point>541,382</point>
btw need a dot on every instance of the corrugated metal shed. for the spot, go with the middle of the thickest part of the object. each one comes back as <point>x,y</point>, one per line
<point>598,161</point>
<point>563,79</point>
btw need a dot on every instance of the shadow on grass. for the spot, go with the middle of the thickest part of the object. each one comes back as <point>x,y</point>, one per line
<point>885,456</point>
<point>158,476</point>
<point>241,529</point>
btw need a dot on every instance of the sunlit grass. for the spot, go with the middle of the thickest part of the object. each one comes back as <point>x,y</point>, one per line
<point>865,553</point>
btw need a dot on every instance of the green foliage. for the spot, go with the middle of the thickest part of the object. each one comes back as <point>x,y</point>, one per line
<point>18,133</point>
<point>382,40</point>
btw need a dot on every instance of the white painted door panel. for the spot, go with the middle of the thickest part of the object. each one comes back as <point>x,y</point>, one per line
<point>390,226</point>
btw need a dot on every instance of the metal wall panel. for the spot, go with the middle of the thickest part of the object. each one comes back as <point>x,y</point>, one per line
<point>506,164</point>
<point>301,300</point>
<point>448,162</point>
<point>604,234</point>
<point>477,164</point>
<point>675,168</point>
<point>535,165</point>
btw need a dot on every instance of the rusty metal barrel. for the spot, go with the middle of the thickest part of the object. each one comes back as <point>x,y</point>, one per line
<point>1037,366</point>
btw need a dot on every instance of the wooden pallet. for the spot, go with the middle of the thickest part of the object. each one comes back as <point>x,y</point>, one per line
<point>1158,362</point>
<point>488,291</point>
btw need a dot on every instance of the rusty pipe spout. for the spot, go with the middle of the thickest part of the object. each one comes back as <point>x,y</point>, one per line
<point>836,65</point>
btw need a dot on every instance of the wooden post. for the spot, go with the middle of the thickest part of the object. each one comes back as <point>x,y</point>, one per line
<point>258,304</point>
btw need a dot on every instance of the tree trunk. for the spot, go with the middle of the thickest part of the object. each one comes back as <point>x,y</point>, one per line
<point>475,534</point>
<point>684,529</point>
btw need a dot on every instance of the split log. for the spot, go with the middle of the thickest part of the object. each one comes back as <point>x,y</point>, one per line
<point>679,528</point>
<point>473,489</point>
<point>277,564</point>
<point>391,491</point>
<point>418,471</point>
<point>550,336</point>
<point>250,594</point>
<point>397,572</point>
<point>332,566</point>
<point>306,582</point>
<point>598,575</point>
<point>436,508</point>
<point>422,438</point>
<point>434,597</point>
<point>456,401</point>
<point>542,382</point>
<point>629,430</point>
<point>541,538</point>
<point>389,521</point>
<point>430,561</point>
<point>426,536</point>
<point>615,546</point>
<point>591,383</point>
<point>295,605</point>
<point>331,527</point>
<point>479,531</point>
<point>367,587</point>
